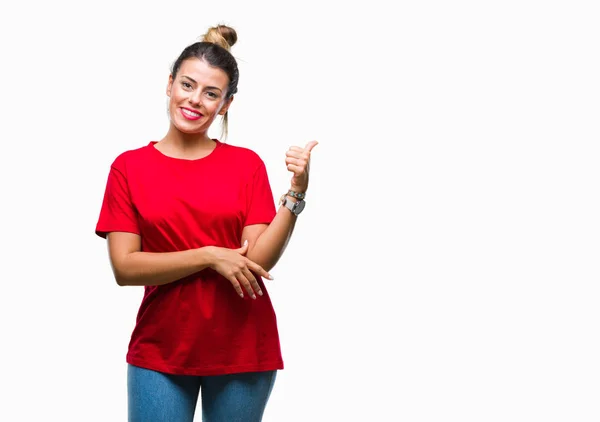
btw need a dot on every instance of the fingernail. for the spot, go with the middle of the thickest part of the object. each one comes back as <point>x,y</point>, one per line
<point>245,242</point>
<point>241,295</point>
<point>253,296</point>
<point>270,277</point>
<point>260,292</point>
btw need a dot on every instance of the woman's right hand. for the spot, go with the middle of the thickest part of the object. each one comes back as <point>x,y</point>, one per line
<point>235,267</point>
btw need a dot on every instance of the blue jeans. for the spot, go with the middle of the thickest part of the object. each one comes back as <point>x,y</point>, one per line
<point>157,397</point>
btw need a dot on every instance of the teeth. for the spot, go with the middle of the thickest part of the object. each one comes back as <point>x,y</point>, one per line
<point>191,113</point>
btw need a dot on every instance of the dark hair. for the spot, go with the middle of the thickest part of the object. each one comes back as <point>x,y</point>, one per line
<point>214,49</point>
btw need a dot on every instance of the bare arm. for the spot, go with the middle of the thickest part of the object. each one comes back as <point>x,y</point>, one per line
<point>132,267</point>
<point>268,242</point>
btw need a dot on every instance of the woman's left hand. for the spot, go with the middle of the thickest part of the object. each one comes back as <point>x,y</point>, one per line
<point>298,162</point>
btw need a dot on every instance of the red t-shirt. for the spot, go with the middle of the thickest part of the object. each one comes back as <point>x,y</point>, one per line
<point>197,325</point>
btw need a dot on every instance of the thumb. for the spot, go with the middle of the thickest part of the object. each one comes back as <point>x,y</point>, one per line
<point>311,145</point>
<point>243,249</point>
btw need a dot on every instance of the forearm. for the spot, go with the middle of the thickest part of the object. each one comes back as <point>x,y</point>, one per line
<point>271,244</point>
<point>155,269</point>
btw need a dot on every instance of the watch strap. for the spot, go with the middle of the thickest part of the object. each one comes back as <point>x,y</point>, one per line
<point>294,207</point>
<point>288,204</point>
<point>297,195</point>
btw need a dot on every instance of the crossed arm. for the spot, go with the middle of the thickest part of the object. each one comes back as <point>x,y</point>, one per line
<point>262,246</point>
<point>265,245</point>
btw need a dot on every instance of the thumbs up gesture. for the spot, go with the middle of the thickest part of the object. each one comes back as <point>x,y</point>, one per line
<point>297,160</point>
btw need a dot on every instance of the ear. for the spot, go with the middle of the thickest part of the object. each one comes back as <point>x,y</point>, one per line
<point>169,85</point>
<point>226,106</point>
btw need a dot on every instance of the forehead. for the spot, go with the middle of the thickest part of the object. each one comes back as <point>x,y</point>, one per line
<point>203,73</point>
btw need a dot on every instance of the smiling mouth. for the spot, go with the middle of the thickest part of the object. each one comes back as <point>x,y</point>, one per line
<point>189,114</point>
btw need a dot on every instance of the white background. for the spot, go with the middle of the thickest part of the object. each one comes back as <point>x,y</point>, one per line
<point>446,265</point>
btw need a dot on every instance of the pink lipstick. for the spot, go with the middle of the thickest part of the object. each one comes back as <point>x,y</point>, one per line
<point>190,114</point>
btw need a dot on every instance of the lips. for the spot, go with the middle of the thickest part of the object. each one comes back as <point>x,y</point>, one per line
<point>190,114</point>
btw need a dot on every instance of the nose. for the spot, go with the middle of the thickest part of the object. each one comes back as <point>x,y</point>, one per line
<point>195,97</point>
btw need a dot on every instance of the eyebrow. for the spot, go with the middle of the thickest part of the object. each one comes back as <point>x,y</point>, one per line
<point>208,87</point>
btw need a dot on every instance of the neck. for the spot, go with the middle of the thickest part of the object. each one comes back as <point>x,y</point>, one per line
<point>187,141</point>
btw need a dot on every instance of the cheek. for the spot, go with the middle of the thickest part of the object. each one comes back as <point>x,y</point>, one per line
<point>170,106</point>
<point>174,100</point>
<point>218,106</point>
<point>213,108</point>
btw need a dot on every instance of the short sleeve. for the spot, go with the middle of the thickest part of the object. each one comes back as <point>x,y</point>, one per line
<point>117,212</point>
<point>260,206</point>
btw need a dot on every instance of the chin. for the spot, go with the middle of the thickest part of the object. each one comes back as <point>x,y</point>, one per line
<point>187,131</point>
<point>185,127</point>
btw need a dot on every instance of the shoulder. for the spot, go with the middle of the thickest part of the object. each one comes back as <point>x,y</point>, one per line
<point>130,157</point>
<point>243,155</point>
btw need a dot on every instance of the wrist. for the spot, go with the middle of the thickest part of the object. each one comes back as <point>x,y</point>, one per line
<point>293,204</point>
<point>296,193</point>
<point>206,256</point>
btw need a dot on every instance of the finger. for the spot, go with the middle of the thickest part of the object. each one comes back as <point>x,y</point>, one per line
<point>243,249</point>
<point>259,270</point>
<point>311,145</point>
<point>297,149</point>
<point>297,170</point>
<point>253,281</point>
<point>245,284</point>
<point>236,285</point>
<point>300,162</point>
<point>297,154</point>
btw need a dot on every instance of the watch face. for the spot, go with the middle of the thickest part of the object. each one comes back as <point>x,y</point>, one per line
<point>298,207</point>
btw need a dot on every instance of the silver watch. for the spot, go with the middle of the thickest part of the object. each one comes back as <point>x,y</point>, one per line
<point>295,207</point>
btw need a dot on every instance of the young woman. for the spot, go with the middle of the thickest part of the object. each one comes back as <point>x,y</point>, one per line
<point>194,221</point>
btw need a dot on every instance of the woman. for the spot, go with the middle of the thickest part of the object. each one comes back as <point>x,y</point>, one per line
<point>193,220</point>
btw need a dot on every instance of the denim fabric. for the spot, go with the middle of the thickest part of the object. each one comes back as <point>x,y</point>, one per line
<point>157,397</point>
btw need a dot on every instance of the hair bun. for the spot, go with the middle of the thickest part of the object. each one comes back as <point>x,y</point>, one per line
<point>221,35</point>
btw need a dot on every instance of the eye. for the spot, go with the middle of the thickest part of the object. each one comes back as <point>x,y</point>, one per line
<point>212,94</point>
<point>186,85</point>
